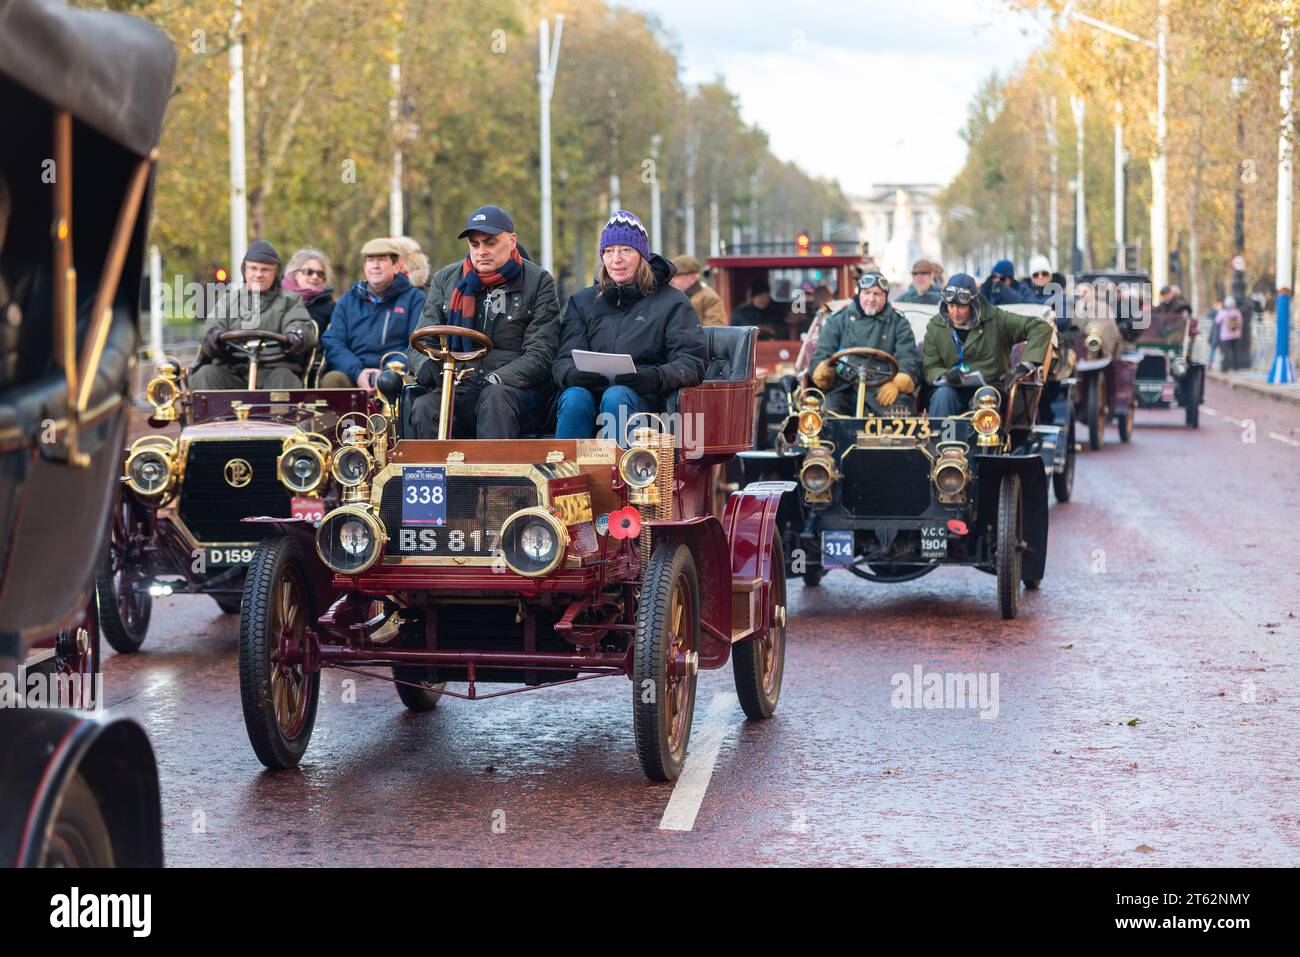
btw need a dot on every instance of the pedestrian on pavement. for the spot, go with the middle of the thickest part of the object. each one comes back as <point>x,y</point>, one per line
<point>1212,340</point>
<point>1229,321</point>
<point>922,288</point>
<point>373,318</point>
<point>706,303</point>
<point>498,291</point>
<point>260,303</point>
<point>1001,287</point>
<point>633,310</point>
<point>308,274</point>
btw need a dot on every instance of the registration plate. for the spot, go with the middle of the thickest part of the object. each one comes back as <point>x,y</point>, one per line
<point>837,548</point>
<point>307,509</point>
<point>444,542</point>
<point>914,427</point>
<point>934,541</point>
<point>424,495</point>
<point>229,556</point>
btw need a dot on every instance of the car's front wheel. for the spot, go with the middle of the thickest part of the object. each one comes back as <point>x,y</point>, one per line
<point>665,661</point>
<point>279,694</point>
<point>758,664</point>
<point>414,688</point>
<point>125,605</point>
<point>1097,412</point>
<point>1008,555</point>
<point>1063,481</point>
<point>1126,423</point>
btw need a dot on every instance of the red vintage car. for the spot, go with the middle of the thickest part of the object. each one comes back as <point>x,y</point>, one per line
<point>530,563</point>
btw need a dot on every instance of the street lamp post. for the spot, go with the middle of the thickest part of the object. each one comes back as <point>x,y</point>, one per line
<point>1119,186</point>
<point>1281,371</point>
<point>238,185</point>
<point>1078,259</point>
<point>548,59</point>
<point>1239,85</point>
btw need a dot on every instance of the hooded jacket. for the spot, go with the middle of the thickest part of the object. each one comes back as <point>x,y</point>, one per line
<point>524,331</point>
<point>363,329</point>
<point>888,330</point>
<point>987,348</point>
<point>275,310</point>
<point>660,330</point>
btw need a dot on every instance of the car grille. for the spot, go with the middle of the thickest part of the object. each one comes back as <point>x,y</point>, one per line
<point>477,507</point>
<point>212,509</point>
<point>1152,367</point>
<point>885,483</point>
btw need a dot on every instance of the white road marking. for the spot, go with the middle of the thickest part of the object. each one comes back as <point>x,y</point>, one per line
<point>1230,420</point>
<point>1208,411</point>
<point>701,756</point>
<point>1284,438</point>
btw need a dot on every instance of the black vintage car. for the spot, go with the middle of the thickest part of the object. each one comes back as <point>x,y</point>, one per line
<point>892,495</point>
<point>82,96</point>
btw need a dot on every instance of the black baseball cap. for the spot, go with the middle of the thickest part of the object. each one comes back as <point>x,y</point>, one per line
<point>488,219</point>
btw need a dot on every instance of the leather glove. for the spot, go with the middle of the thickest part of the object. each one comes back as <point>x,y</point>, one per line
<point>887,394</point>
<point>297,344</point>
<point>953,377</point>
<point>590,381</point>
<point>428,374</point>
<point>211,347</point>
<point>647,381</point>
<point>824,375</point>
<point>1019,371</point>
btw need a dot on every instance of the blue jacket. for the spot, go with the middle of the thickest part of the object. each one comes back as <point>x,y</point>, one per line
<point>363,329</point>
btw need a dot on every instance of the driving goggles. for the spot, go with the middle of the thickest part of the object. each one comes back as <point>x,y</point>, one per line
<point>958,294</point>
<point>874,279</point>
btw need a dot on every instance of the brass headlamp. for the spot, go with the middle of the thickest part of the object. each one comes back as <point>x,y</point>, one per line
<point>150,469</point>
<point>303,462</point>
<point>1092,339</point>
<point>163,390</point>
<point>950,472</point>
<point>639,467</point>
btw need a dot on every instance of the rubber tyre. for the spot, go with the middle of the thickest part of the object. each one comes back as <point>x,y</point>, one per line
<point>422,699</point>
<point>79,835</point>
<point>123,624</point>
<point>278,560</point>
<point>229,604</point>
<point>1008,557</point>
<point>812,577</point>
<point>669,574</point>
<point>1126,423</point>
<point>758,665</point>
<point>1063,482</point>
<point>1096,414</point>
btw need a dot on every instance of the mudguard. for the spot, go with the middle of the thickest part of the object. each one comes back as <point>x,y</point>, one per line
<point>750,522</point>
<point>305,531</point>
<point>707,541</point>
<point>40,751</point>
<point>1033,497</point>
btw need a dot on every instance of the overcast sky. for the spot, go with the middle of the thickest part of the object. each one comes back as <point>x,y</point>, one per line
<point>867,92</point>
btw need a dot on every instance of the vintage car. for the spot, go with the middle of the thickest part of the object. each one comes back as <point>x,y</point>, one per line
<point>77,789</point>
<point>1160,347</point>
<point>1110,309</point>
<point>891,497</point>
<point>178,525</point>
<point>531,562</point>
<point>790,270</point>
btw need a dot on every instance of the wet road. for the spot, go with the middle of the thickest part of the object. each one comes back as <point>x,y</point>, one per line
<point>1142,711</point>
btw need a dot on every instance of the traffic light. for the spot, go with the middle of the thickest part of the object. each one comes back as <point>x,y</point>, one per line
<point>219,274</point>
<point>828,249</point>
<point>803,241</point>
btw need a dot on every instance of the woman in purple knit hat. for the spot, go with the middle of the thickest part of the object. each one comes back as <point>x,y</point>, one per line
<point>632,310</point>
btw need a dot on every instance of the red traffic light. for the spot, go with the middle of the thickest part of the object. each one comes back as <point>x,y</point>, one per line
<point>803,241</point>
<point>827,249</point>
<point>220,275</point>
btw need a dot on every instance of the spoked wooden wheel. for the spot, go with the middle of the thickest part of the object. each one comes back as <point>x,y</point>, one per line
<point>125,605</point>
<point>665,661</point>
<point>758,665</point>
<point>279,694</point>
<point>1009,538</point>
<point>1063,482</point>
<point>1097,412</point>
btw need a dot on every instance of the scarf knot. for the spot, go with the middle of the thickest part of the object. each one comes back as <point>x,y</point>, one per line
<point>463,308</point>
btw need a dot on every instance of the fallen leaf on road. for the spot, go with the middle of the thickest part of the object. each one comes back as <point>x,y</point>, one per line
<point>1146,848</point>
<point>1132,722</point>
<point>1071,645</point>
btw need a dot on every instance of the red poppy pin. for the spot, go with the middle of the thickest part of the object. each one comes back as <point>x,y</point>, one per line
<point>625,523</point>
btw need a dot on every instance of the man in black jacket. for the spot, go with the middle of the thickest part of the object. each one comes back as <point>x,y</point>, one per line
<point>632,310</point>
<point>495,291</point>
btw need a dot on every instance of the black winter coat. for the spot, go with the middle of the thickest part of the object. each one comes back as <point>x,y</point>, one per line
<point>660,330</point>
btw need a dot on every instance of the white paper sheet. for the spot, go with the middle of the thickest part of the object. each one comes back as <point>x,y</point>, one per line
<point>607,364</point>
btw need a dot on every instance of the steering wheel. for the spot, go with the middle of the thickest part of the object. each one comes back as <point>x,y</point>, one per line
<point>250,342</point>
<point>422,339</point>
<point>866,371</point>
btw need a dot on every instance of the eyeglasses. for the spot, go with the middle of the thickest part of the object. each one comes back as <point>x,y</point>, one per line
<point>874,279</point>
<point>959,295</point>
<point>318,273</point>
<point>1037,274</point>
<point>915,274</point>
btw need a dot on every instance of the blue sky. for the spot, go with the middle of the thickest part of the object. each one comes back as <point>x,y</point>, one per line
<point>867,93</point>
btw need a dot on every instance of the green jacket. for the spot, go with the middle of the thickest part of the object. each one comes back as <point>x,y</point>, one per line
<point>888,330</point>
<point>988,344</point>
<point>274,311</point>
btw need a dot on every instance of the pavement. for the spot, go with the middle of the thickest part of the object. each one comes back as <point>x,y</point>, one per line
<point>1143,710</point>
<point>1257,383</point>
